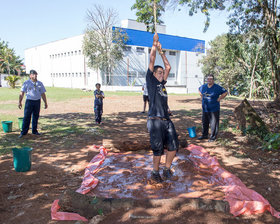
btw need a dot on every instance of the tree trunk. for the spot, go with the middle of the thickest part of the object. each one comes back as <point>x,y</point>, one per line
<point>87,206</point>
<point>246,117</point>
<point>252,75</point>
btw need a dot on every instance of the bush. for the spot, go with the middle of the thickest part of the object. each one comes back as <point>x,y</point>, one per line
<point>272,141</point>
<point>12,80</point>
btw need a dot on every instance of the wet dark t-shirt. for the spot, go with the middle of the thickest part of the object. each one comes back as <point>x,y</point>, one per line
<point>157,96</point>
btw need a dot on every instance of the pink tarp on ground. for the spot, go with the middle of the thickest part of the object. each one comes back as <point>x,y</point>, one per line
<point>241,199</point>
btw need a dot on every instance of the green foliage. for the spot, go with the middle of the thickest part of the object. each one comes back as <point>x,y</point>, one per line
<point>12,80</point>
<point>259,132</point>
<point>145,12</point>
<point>9,62</point>
<point>257,20</point>
<point>224,124</point>
<point>272,141</point>
<point>102,45</point>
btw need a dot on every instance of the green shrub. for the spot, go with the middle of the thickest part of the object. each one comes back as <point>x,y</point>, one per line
<point>272,141</point>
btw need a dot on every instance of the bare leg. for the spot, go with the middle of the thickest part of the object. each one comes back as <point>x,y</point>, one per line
<point>169,158</point>
<point>156,162</point>
<point>145,102</point>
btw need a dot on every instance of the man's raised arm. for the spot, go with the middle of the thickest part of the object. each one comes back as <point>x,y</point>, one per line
<point>167,66</point>
<point>153,53</point>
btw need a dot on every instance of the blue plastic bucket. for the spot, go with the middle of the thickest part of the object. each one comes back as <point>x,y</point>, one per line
<point>7,126</point>
<point>192,132</point>
<point>22,159</point>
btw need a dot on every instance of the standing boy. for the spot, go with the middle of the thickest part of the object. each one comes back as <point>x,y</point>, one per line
<point>161,129</point>
<point>98,103</point>
<point>211,95</point>
<point>145,96</point>
<point>34,90</point>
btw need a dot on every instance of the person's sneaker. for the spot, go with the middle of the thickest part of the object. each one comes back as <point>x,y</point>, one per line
<point>20,136</point>
<point>211,140</point>
<point>36,133</point>
<point>168,175</point>
<point>202,137</point>
<point>143,112</point>
<point>156,177</point>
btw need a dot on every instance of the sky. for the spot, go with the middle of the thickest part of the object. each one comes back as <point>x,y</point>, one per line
<point>28,23</point>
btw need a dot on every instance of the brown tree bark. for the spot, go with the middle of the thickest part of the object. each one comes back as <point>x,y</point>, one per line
<point>246,115</point>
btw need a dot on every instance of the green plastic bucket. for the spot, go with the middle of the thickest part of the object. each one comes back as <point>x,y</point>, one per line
<point>7,126</point>
<point>20,120</point>
<point>22,159</point>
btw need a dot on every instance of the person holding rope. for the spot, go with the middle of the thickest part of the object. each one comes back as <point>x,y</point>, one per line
<point>161,129</point>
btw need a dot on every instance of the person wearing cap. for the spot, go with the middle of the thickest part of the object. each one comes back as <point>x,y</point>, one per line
<point>34,90</point>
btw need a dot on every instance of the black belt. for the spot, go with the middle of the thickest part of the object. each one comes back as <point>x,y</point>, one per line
<point>158,118</point>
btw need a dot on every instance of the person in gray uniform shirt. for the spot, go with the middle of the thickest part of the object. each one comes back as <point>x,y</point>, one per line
<point>34,90</point>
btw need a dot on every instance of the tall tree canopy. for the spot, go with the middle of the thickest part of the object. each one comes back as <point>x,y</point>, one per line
<point>103,45</point>
<point>246,16</point>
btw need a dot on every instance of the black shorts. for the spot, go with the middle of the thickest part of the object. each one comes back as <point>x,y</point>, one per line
<point>145,98</point>
<point>162,134</point>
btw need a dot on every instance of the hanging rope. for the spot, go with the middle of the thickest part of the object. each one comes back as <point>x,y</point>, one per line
<point>155,15</point>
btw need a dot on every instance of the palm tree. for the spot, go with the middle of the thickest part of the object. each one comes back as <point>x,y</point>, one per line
<point>6,56</point>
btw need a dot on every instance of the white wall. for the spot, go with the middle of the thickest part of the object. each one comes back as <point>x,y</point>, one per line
<point>194,78</point>
<point>133,24</point>
<point>62,64</point>
<point>3,82</point>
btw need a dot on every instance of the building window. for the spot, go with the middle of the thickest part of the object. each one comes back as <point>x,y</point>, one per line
<point>73,74</point>
<point>65,75</point>
<point>55,55</point>
<point>65,54</point>
<point>150,50</point>
<point>56,75</point>
<point>127,48</point>
<point>88,74</point>
<point>58,55</point>
<point>172,53</point>
<point>50,56</point>
<point>62,75</point>
<point>68,53</point>
<point>80,74</point>
<point>71,53</point>
<point>80,52</point>
<point>196,76</point>
<point>76,74</point>
<point>75,52</point>
<point>59,75</point>
<point>171,75</point>
<point>140,49</point>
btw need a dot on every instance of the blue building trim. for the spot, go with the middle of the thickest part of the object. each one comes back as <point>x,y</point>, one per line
<point>169,42</point>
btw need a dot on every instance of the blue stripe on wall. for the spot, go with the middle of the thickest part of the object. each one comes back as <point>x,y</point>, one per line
<point>169,42</point>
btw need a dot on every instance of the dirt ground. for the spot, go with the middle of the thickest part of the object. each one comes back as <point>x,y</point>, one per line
<point>26,197</point>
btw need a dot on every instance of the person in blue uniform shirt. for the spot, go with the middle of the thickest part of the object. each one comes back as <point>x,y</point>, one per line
<point>34,91</point>
<point>161,129</point>
<point>98,103</point>
<point>211,95</point>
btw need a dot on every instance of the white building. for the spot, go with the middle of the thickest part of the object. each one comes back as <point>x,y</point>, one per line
<point>62,64</point>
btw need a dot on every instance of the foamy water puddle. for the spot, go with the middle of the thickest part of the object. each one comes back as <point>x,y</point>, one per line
<point>127,175</point>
